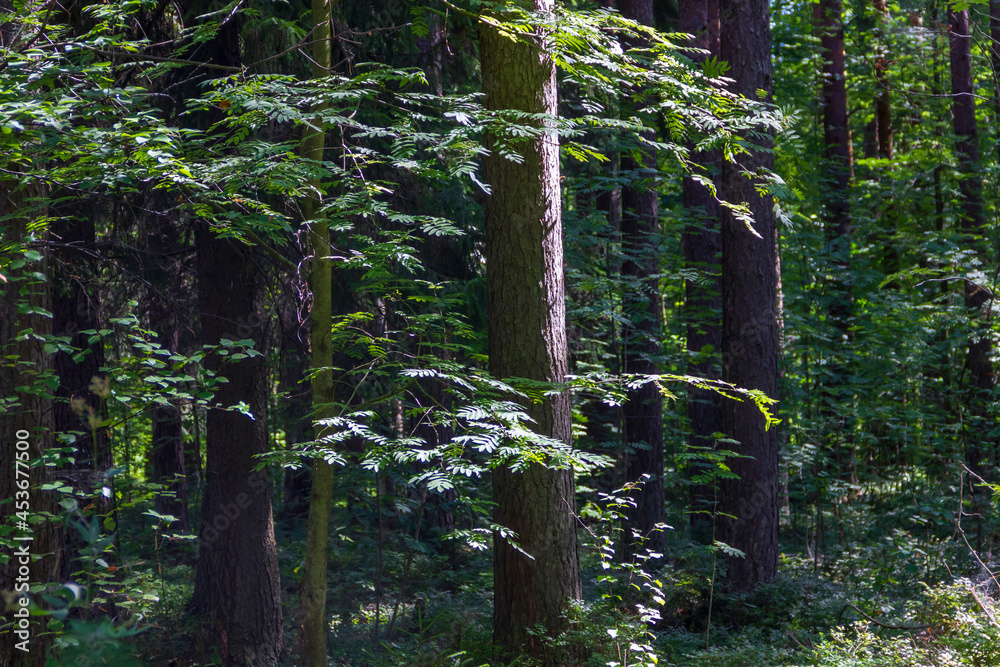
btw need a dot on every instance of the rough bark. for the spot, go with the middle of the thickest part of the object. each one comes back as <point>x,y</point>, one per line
<point>527,326</point>
<point>977,297</point>
<point>838,166</point>
<point>883,94</point>
<point>23,362</point>
<point>702,247</point>
<point>995,62</point>
<point>237,584</point>
<point>164,283</point>
<point>749,323</point>
<point>642,413</point>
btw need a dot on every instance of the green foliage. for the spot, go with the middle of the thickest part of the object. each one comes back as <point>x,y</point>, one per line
<point>881,517</point>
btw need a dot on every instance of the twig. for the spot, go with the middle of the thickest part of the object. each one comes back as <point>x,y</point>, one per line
<point>961,531</point>
<point>271,252</point>
<point>796,640</point>
<point>989,614</point>
<point>886,625</point>
<point>140,57</point>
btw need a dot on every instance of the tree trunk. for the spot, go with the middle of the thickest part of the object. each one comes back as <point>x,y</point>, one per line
<point>314,625</point>
<point>166,284</point>
<point>295,409</point>
<point>237,583</point>
<point>964,112</point>
<point>836,131</point>
<point>995,62</point>
<point>167,455</point>
<point>527,338</point>
<point>77,410</point>
<point>702,304</point>
<point>642,413</point>
<point>838,164</point>
<point>26,422</point>
<point>749,323</point>
<point>883,99</point>
<point>977,297</point>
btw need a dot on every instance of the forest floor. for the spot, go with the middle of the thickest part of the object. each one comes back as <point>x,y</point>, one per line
<point>885,584</point>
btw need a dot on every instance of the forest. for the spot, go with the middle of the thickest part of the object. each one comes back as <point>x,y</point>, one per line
<point>499,333</point>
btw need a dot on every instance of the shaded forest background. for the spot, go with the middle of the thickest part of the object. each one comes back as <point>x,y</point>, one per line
<point>477,334</point>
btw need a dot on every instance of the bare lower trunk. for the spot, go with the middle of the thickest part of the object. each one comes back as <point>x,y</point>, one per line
<point>27,428</point>
<point>643,409</point>
<point>527,325</point>
<point>237,586</point>
<point>703,305</point>
<point>749,324</point>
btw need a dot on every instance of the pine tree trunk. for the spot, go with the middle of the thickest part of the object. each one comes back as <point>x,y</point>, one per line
<point>977,296</point>
<point>642,413</point>
<point>527,326</point>
<point>702,305</point>
<point>237,583</point>
<point>883,96</point>
<point>749,323</point>
<point>27,419</point>
<point>838,165</point>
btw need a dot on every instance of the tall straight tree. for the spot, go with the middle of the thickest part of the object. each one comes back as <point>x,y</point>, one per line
<point>702,247</point>
<point>836,131</point>
<point>643,409</point>
<point>75,305</point>
<point>978,362</point>
<point>27,417</point>
<point>165,282</point>
<point>883,94</point>
<point>314,626</point>
<point>995,62</point>
<point>879,133</point>
<point>838,165</point>
<point>527,338</point>
<point>237,584</point>
<point>749,317</point>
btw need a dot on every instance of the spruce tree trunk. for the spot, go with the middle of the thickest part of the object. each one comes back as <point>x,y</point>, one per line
<point>749,318</point>
<point>703,305</point>
<point>527,338</point>
<point>883,96</point>
<point>237,583</point>
<point>642,413</point>
<point>166,284</point>
<point>838,165</point>
<point>977,297</point>
<point>27,419</point>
